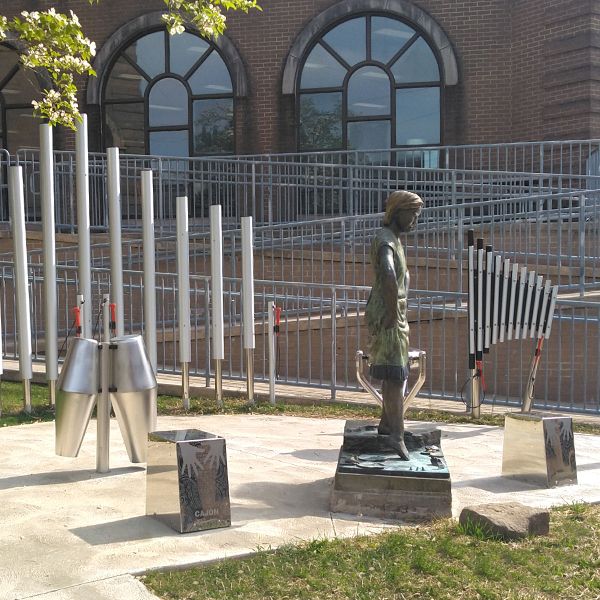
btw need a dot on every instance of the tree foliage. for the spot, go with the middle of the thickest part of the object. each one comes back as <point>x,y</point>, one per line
<point>55,42</point>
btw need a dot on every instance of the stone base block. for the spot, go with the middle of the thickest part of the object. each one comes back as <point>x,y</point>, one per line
<point>372,480</point>
<point>539,448</point>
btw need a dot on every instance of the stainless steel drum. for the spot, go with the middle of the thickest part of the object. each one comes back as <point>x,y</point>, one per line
<point>133,393</point>
<point>76,395</point>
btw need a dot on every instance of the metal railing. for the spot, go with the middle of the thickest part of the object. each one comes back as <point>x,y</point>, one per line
<point>322,327</point>
<point>275,192</point>
<point>558,235</point>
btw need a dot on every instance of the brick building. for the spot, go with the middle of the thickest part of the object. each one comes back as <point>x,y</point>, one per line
<point>328,74</point>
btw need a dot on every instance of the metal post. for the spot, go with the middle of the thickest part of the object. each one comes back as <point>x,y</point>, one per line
<point>475,394</point>
<point>116,251</point>
<point>83,226</point>
<point>49,242</point>
<point>272,353</point>
<point>103,405</point>
<point>17,208</point>
<point>333,342</point>
<point>248,302</point>
<point>216,260</point>
<point>1,358</point>
<point>183,296</point>
<point>149,267</point>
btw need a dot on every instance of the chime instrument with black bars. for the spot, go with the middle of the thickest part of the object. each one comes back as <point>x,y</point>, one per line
<point>505,303</point>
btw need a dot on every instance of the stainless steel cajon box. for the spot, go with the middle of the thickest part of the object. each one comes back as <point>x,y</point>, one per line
<point>187,485</point>
<point>539,448</point>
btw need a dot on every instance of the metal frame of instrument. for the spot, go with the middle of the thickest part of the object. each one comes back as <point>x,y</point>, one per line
<point>505,303</point>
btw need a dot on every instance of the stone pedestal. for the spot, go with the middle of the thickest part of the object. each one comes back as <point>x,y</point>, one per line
<point>186,481</point>
<point>372,480</point>
<point>539,448</point>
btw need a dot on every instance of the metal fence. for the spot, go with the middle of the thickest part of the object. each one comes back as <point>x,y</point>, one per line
<point>322,327</point>
<point>274,192</point>
<point>558,235</point>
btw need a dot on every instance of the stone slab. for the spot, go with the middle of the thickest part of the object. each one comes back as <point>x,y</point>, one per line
<point>506,520</point>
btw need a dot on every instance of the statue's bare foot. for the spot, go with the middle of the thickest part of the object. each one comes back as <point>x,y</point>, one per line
<point>398,445</point>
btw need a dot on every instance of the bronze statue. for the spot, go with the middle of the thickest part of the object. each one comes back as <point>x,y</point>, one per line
<point>386,314</point>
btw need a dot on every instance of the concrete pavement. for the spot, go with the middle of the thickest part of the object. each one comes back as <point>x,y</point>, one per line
<point>69,533</point>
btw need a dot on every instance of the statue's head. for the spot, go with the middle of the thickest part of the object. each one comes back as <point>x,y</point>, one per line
<point>402,209</point>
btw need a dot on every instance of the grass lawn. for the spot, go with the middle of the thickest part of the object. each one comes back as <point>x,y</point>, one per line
<point>435,561</point>
<point>11,406</point>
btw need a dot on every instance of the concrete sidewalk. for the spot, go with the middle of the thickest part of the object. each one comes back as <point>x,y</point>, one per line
<point>70,533</point>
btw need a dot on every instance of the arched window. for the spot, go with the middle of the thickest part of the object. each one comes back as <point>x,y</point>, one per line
<point>369,82</point>
<point>18,87</point>
<point>169,95</point>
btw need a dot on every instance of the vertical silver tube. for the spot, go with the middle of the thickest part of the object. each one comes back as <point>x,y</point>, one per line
<point>83,226</point>
<point>216,263</point>
<point>271,343</point>
<point>505,284</point>
<point>149,267</point>
<point>248,302</point>
<point>219,382</point>
<point>103,405</point>
<point>250,374</point>
<point>49,242</point>
<point>116,250</point>
<point>17,208</point>
<point>475,394</point>
<point>183,296</point>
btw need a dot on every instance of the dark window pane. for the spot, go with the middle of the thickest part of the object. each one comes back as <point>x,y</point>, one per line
<point>418,63</point>
<point>186,49</point>
<point>211,77</point>
<point>149,53</point>
<point>369,135</point>
<point>8,59</point>
<point>21,88</point>
<point>387,37</point>
<point>321,121</point>
<point>322,70</point>
<point>125,82</point>
<point>369,93</point>
<point>213,126</point>
<point>169,143</point>
<point>417,116</point>
<point>125,127</point>
<point>426,159</point>
<point>22,129</point>
<point>349,40</point>
<point>168,103</point>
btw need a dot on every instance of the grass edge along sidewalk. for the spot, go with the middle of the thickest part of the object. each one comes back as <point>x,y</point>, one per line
<point>11,406</point>
<point>438,561</point>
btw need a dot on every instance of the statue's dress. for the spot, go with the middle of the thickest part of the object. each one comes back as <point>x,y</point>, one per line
<point>388,353</point>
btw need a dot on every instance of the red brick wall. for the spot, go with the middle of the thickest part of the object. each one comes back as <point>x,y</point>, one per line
<point>529,69</point>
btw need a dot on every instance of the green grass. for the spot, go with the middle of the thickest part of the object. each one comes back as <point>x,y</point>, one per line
<point>11,404</point>
<point>12,409</point>
<point>436,561</point>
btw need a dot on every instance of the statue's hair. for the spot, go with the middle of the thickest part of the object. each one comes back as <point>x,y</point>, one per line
<point>400,200</point>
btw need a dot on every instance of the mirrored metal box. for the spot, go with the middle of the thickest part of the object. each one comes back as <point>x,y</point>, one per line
<point>539,448</point>
<point>187,485</point>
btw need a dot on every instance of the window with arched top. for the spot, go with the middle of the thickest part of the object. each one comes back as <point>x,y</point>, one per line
<point>170,96</point>
<point>370,82</point>
<point>18,87</point>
